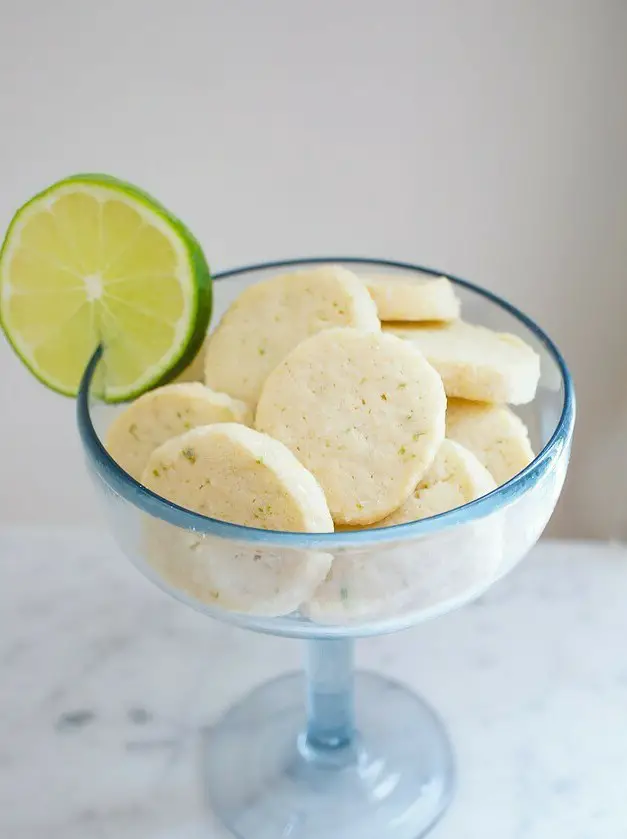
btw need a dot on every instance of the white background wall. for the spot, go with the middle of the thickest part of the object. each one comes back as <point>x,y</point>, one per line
<point>487,138</point>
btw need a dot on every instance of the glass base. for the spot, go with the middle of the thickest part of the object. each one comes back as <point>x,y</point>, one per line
<point>264,781</point>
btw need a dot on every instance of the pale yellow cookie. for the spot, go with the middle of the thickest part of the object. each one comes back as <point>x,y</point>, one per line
<point>413,297</point>
<point>233,473</point>
<point>263,580</point>
<point>396,579</point>
<point>364,412</point>
<point>164,413</point>
<point>455,477</point>
<point>399,581</point>
<point>195,370</point>
<point>474,362</point>
<point>364,585</point>
<point>493,433</point>
<point>270,318</point>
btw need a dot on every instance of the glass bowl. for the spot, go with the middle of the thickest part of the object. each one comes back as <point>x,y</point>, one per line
<point>329,753</point>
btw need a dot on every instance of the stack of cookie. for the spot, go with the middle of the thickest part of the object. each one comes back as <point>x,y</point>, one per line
<point>332,402</point>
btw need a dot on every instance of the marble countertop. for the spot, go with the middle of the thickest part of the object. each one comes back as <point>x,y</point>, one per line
<point>105,684</point>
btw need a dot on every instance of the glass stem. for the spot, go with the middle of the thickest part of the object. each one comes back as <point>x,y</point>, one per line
<point>330,708</point>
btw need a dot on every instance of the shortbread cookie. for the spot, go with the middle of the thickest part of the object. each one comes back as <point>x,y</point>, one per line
<point>408,581</point>
<point>364,412</point>
<point>413,297</point>
<point>474,362</point>
<point>233,473</point>
<point>270,318</point>
<point>195,370</point>
<point>365,585</point>
<point>493,433</point>
<point>164,413</point>
<point>261,579</point>
<point>397,579</point>
<point>455,477</point>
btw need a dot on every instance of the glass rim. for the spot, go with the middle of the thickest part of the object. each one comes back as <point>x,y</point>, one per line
<point>138,495</point>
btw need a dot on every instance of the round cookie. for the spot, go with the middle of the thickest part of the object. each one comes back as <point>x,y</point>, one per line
<point>493,433</point>
<point>261,580</point>
<point>455,477</point>
<point>235,474</point>
<point>195,370</point>
<point>270,318</point>
<point>364,412</point>
<point>164,413</point>
<point>413,297</point>
<point>475,362</point>
<point>365,585</point>
<point>399,579</point>
<point>393,580</point>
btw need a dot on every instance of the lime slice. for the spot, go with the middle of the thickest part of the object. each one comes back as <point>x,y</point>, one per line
<point>95,260</point>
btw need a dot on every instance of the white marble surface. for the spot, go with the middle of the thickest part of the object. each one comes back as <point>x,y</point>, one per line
<point>105,683</point>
